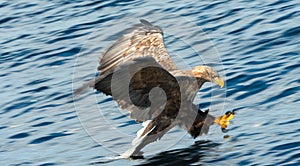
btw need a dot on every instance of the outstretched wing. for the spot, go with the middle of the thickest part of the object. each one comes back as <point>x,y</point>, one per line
<point>143,39</point>
<point>141,86</point>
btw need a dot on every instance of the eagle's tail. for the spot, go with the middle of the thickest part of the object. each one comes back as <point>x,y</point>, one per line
<point>151,132</point>
<point>101,83</point>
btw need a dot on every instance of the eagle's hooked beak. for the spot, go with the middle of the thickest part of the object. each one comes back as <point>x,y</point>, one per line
<point>219,81</point>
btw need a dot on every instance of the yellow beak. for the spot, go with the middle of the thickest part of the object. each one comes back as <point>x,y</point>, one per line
<point>219,81</point>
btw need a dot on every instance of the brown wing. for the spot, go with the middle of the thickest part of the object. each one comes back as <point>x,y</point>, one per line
<point>141,86</point>
<point>143,39</point>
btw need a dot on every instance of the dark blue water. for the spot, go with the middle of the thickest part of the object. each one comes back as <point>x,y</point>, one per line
<point>47,47</point>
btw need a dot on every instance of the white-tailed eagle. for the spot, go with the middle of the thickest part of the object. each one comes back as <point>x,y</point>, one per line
<point>139,74</point>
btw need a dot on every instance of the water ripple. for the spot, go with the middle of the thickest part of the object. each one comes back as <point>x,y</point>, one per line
<point>19,136</point>
<point>48,138</point>
<point>42,124</point>
<point>291,145</point>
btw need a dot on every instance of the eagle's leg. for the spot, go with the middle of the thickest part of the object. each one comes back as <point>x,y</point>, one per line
<point>203,121</point>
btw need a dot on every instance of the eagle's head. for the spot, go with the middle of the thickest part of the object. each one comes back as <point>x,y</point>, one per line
<point>208,74</point>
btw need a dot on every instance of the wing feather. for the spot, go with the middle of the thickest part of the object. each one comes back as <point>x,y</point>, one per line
<point>143,39</point>
<point>141,86</point>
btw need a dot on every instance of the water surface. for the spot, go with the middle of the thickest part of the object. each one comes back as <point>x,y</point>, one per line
<point>254,44</point>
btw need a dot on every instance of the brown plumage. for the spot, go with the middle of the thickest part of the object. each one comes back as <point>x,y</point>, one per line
<point>142,39</point>
<point>139,74</point>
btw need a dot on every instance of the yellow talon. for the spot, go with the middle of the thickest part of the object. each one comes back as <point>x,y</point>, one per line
<point>224,120</point>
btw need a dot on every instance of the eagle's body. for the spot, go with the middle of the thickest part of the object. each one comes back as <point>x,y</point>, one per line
<point>139,74</point>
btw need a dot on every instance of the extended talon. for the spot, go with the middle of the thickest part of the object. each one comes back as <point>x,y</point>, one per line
<point>224,120</point>
<point>224,130</point>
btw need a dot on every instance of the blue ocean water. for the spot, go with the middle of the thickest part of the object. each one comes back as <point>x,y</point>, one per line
<point>50,47</point>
